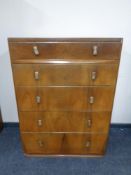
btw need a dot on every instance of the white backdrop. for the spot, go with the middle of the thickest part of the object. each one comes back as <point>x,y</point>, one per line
<point>66,18</point>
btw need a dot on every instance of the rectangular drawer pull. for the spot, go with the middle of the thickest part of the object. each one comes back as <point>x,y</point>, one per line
<point>40,122</point>
<point>95,50</point>
<point>93,75</point>
<point>36,75</point>
<point>35,50</point>
<point>37,99</point>
<point>91,100</point>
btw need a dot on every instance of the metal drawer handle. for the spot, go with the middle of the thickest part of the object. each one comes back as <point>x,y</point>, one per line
<point>41,143</point>
<point>95,50</point>
<point>36,75</point>
<point>93,75</point>
<point>38,99</point>
<point>88,144</point>
<point>40,123</point>
<point>89,123</point>
<point>91,100</point>
<point>36,51</point>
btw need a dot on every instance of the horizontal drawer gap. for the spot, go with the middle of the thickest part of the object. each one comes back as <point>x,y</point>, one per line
<point>63,61</point>
<point>62,42</point>
<point>91,133</point>
<point>68,86</point>
<point>66,111</point>
<point>81,64</point>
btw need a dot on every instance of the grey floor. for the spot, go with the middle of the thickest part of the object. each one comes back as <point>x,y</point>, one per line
<point>117,160</point>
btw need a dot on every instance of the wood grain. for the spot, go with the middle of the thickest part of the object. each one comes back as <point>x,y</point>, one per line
<point>64,75</point>
<point>95,122</point>
<point>73,50</point>
<point>103,98</point>
<point>67,109</point>
<point>52,98</point>
<point>65,98</point>
<point>61,143</point>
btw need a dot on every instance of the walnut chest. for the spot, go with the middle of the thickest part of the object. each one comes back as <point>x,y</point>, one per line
<point>65,90</point>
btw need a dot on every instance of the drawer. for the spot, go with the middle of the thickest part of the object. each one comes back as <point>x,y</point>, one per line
<point>64,50</point>
<point>65,144</point>
<point>64,74</point>
<point>96,122</point>
<point>65,98</point>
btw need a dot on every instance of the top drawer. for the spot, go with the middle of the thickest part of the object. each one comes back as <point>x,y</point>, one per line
<point>83,50</point>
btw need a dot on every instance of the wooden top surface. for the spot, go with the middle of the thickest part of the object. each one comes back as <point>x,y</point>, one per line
<point>65,39</point>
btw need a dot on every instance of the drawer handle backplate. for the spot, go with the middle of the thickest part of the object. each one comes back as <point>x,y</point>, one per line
<point>36,51</point>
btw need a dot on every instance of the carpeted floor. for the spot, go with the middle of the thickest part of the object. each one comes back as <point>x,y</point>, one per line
<point>117,160</point>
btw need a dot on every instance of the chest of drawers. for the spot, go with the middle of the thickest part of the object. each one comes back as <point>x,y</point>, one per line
<point>65,91</point>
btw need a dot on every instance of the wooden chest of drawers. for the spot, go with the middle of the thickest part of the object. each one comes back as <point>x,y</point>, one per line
<point>65,91</point>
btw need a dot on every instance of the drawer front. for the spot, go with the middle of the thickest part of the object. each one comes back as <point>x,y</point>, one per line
<point>41,143</point>
<point>97,122</point>
<point>64,74</point>
<point>68,50</point>
<point>61,143</point>
<point>52,98</point>
<point>65,98</point>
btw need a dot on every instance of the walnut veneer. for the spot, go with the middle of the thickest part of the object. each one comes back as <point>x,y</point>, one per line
<point>65,91</point>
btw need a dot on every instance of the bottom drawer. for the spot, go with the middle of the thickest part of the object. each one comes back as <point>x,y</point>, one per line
<point>64,144</point>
